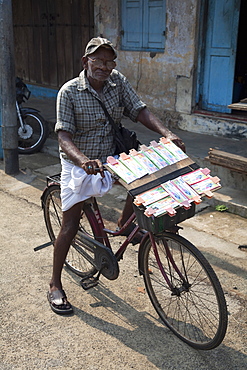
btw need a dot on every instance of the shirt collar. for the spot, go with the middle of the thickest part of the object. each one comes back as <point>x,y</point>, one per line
<point>84,84</point>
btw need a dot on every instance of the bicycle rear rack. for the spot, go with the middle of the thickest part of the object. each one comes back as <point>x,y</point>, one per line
<point>54,178</point>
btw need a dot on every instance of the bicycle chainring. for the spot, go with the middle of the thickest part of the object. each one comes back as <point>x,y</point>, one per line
<point>108,263</point>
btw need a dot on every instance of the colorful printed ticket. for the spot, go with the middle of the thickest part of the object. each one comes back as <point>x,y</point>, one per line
<point>151,196</point>
<point>176,194</point>
<point>173,149</point>
<point>121,170</point>
<point>196,176</point>
<point>143,161</point>
<point>191,194</point>
<point>132,165</point>
<point>166,205</point>
<point>205,187</point>
<point>163,152</point>
<point>154,156</point>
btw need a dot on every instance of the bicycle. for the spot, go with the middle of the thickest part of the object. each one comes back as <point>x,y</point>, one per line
<point>180,282</point>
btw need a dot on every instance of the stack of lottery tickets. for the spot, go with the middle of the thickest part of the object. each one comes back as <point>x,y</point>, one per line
<point>146,161</point>
<point>179,192</point>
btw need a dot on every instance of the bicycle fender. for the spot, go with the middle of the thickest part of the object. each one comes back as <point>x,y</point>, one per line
<point>27,110</point>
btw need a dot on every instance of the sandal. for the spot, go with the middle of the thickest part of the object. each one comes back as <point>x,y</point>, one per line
<point>58,302</point>
<point>137,238</point>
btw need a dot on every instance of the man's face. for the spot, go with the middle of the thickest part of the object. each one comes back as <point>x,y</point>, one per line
<point>93,70</point>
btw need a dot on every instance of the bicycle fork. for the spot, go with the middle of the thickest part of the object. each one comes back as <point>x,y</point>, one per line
<point>184,287</point>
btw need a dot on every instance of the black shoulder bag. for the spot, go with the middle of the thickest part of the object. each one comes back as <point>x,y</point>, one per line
<point>125,139</point>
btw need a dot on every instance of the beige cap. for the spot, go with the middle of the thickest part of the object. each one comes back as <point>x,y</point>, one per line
<point>97,42</point>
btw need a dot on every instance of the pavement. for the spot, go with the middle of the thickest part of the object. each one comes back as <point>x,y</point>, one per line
<point>233,192</point>
<point>115,325</point>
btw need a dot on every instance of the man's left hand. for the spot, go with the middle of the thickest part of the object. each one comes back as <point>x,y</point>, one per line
<point>176,140</point>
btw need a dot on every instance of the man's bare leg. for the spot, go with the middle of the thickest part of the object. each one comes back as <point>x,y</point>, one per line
<point>127,211</point>
<point>69,227</point>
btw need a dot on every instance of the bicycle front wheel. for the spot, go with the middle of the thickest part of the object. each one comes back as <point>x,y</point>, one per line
<point>53,218</point>
<point>193,306</point>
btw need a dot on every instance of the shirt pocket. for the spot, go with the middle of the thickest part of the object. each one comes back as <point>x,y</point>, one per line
<point>117,114</point>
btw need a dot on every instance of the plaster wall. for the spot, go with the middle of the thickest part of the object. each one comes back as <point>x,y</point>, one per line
<point>163,80</point>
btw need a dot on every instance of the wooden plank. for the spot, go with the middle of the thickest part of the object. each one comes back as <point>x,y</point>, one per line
<point>21,15</point>
<point>52,43</point>
<point>238,106</point>
<point>232,161</point>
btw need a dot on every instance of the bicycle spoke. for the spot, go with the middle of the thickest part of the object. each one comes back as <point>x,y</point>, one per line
<point>194,308</point>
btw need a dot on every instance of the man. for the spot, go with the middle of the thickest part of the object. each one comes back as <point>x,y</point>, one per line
<point>86,139</point>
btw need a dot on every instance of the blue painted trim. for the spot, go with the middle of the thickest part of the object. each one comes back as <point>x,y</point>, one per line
<point>42,92</point>
<point>1,147</point>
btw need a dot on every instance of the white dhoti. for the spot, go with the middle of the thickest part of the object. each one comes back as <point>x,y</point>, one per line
<point>77,185</point>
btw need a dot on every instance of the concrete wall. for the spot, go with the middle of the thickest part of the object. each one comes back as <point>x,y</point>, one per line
<point>163,80</point>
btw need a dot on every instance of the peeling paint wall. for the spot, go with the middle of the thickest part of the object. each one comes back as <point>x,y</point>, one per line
<point>157,76</point>
<point>166,81</point>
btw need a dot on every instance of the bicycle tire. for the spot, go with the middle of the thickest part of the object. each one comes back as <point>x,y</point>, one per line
<point>195,309</point>
<point>33,139</point>
<point>53,217</point>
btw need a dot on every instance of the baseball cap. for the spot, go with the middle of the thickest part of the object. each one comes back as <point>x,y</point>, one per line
<point>97,42</point>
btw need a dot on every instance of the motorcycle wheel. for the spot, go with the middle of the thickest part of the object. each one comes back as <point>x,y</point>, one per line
<point>32,137</point>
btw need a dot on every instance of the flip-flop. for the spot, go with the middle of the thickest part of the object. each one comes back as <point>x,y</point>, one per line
<point>58,302</point>
<point>137,238</point>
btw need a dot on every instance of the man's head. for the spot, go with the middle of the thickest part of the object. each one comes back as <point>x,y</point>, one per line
<point>98,42</point>
<point>99,59</point>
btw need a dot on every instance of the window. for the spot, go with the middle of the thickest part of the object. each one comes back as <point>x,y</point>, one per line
<point>143,25</point>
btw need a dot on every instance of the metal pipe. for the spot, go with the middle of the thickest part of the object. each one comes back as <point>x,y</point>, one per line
<point>7,90</point>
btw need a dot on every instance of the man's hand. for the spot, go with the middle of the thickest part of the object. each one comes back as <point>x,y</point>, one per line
<point>176,140</point>
<point>92,167</point>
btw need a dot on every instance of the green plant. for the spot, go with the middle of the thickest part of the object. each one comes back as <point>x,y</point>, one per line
<point>221,208</point>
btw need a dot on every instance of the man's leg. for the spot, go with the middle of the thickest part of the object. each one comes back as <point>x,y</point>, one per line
<point>69,227</point>
<point>127,211</point>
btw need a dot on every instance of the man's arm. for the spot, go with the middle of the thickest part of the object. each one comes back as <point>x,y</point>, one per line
<point>76,156</point>
<point>149,120</point>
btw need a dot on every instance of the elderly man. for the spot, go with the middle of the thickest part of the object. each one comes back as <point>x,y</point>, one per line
<point>86,138</point>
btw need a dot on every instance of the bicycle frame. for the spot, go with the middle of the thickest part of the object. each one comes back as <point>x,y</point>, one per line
<point>119,253</point>
<point>104,232</point>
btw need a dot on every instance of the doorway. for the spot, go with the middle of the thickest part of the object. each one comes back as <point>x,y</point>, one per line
<point>240,80</point>
<point>219,54</point>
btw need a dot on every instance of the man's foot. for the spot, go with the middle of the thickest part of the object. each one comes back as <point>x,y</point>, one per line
<point>59,303</point>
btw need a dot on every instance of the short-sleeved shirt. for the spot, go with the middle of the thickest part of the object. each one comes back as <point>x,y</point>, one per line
<point>80,113</point>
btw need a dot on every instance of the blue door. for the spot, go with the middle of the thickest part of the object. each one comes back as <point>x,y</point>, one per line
<point>220,54</point>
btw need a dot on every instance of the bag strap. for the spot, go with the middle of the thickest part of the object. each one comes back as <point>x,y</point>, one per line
<point>115,126</point>
<point>118,135</point>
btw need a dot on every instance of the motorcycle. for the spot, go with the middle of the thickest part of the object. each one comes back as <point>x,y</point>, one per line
<point>32,127</point>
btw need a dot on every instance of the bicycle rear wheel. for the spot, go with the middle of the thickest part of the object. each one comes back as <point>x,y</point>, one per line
<point>194,306</point>
<point>53,218</point>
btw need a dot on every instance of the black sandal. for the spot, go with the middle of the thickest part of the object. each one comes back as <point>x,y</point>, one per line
<point>58,302</point>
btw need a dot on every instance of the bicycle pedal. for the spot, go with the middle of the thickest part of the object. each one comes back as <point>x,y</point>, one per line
<point>89,282</point>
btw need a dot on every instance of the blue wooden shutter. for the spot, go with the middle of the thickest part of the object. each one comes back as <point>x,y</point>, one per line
<point>143,24</point>
<point>132,24</point>
<point>221,44</point>
<point>154,24</point>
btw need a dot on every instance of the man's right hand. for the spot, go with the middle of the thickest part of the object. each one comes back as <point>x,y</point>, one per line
<point>92,167</point>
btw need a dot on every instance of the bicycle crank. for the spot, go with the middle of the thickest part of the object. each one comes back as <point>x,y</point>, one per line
<point>104,259</point>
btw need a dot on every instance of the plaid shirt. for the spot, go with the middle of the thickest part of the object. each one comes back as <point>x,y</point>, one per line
<point>80,113</point>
